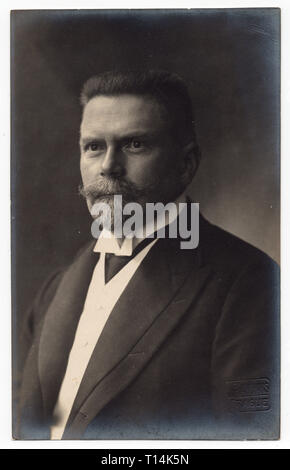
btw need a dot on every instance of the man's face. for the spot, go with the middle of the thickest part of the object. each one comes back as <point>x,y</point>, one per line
<point>127,148</point>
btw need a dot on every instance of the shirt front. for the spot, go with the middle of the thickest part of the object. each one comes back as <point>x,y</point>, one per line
<point>100,301</point>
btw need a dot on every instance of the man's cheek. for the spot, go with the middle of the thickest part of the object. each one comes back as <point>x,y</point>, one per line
<point>87,171</point>
<point>140,176</point>
<point>83,167</point>
<point>151,168</point>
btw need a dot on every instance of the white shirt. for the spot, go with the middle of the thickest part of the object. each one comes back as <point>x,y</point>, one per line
<point>100,301</point>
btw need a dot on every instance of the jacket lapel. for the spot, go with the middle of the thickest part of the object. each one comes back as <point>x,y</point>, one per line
<point>60,324</point>
<point>154,301</point>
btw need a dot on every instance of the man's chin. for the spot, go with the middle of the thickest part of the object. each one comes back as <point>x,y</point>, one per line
<point>106,198</point>
<point>117,199</point>
<point>96,205</point>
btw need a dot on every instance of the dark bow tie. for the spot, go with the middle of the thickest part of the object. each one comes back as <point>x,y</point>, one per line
<point>114,263</point>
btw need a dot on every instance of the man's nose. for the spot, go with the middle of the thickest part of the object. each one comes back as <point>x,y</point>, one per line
<point>112,163</point>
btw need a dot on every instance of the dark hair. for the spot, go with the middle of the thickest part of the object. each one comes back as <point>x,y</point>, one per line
<point>168,89</point>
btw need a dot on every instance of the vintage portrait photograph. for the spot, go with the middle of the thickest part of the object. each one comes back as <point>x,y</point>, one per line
<point>145,187</point>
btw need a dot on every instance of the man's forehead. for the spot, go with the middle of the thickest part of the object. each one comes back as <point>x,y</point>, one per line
<point>123,111</point>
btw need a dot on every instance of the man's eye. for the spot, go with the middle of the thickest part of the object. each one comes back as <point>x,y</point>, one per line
<point>135,144</point>
<point>94,146</point>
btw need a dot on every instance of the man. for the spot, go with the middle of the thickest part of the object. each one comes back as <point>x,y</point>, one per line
<point>139,338</point>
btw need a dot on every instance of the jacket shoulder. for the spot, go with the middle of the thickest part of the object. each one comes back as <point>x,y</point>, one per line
<point>226,252</point>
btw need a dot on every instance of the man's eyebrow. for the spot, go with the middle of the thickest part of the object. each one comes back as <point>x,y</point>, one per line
<point>139,134</point>
<point>125,135</point>
<point>87,139</point>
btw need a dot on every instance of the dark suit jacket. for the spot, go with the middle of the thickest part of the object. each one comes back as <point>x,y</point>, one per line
<point>190,350</point>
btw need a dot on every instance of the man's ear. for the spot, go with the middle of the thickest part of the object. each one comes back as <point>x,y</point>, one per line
<point>190,161</point>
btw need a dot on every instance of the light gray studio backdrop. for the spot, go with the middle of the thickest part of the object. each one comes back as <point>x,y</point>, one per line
<point>231,62</point>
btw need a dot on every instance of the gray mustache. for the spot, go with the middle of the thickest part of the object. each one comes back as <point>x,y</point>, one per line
<point>108,186</point>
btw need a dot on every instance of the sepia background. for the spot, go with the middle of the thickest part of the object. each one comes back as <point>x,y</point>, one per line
<point>230,60</point>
